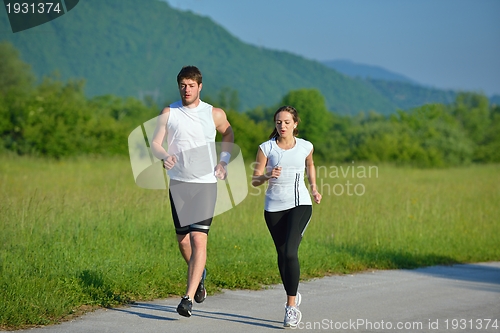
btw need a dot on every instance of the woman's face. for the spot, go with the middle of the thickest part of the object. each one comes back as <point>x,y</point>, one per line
<point>285,124</point>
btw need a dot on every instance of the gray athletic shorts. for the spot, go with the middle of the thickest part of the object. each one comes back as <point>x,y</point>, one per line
<point>192,205</point>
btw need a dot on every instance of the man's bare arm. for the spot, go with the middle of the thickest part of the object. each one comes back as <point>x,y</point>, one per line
<point>158,137</point>
<point>224,127</point>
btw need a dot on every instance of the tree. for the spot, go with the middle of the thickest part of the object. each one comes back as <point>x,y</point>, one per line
<point>489,149</point>
<point>428,136</point>
<point>248,134</point>
<point>228,99</point>
<point>15,74</point>
<point>315,117</point>
<point>472,111</point>
<point>442,137</point>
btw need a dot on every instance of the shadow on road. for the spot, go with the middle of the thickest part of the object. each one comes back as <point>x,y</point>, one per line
<point>169,313</point>
<point>483,274</point>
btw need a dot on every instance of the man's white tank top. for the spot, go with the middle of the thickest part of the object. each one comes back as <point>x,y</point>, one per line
<point>288,190</point>
<point>191,138</point>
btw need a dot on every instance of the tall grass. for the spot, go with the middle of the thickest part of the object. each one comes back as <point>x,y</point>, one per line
<point>80,233</point>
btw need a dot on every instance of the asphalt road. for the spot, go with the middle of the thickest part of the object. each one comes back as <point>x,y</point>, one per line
<point>459,298</point>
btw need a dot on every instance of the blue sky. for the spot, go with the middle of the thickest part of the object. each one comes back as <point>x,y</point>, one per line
<point>451,44</point>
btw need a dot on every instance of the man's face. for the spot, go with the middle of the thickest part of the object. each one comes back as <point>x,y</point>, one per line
<point>189,91</point>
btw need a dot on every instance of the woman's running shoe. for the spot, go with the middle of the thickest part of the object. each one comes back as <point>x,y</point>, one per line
<point>292,316</point>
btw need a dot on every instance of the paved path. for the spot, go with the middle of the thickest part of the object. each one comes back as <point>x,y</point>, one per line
<point>459,298</point>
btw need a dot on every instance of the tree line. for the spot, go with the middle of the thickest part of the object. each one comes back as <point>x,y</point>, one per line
<point>433,135</point>
<point>55,119</point>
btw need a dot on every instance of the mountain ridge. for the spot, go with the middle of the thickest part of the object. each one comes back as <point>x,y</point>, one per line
<point>128,50</point>
<point>364,71</point>
<point>400,89</point>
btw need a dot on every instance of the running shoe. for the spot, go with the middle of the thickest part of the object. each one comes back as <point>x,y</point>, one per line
<point>185,306</point>
<point>201,292</point>
<point>292,316</point>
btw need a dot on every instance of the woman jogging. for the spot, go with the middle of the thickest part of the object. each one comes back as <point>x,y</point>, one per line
<point>288,207</point>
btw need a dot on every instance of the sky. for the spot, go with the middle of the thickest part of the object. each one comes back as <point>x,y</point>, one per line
<point>447,44</point>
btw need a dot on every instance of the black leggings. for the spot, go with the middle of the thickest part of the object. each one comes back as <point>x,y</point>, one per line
<point>287,228</point>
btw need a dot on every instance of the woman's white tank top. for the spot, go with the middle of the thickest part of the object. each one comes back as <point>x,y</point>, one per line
<point>288,190</point>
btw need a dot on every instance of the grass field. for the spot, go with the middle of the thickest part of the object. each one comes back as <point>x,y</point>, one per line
<point>79,233</point>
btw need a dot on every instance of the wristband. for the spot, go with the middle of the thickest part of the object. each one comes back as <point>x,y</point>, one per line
<point>225,157</point>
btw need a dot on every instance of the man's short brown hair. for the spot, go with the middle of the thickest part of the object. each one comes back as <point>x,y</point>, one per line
<point>191,73</point>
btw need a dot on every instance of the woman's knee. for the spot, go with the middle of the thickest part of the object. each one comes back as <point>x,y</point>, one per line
<point>291,255</point>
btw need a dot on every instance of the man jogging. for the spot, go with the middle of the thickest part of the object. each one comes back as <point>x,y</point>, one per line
<point>189,127</point>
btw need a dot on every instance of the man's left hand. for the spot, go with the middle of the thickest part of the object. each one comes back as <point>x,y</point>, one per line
<point>220,170</point>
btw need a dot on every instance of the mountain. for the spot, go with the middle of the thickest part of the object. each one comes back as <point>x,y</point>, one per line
<point>131,48</point>
<point>124,49</point>
<point>408,95</point>
<point>495,99</point>
<point>353,69</point>
<point>399,89</point>
<point>402,91</point>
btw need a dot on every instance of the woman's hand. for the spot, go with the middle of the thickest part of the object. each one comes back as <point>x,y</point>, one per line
<point>275,173</point>
<point>316,196</point>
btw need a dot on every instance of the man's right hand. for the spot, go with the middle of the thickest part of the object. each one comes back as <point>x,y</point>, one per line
<point>169,162</point>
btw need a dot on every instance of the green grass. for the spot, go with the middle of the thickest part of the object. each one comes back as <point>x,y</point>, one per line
<point>78,233</point>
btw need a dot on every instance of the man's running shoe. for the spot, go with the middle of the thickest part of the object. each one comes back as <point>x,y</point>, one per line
<point>292,316</point>
<point>201,292</point>
<point>185,306</point>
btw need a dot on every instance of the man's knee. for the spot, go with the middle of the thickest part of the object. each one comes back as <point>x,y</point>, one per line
<point>198,239</point>
<point>184,240</point>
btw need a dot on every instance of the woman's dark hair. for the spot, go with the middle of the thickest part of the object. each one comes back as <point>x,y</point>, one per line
<point>295,115</point>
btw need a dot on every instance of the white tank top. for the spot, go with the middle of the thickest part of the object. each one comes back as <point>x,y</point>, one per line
<point>191,138</point>
<point>288,190</point>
